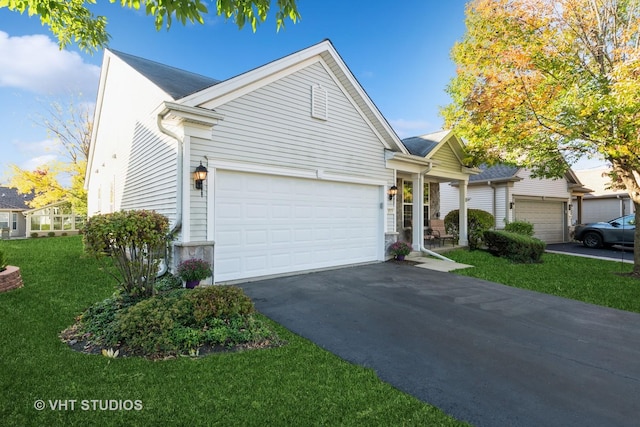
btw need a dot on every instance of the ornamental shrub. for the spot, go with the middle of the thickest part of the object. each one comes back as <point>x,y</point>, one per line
<point>149,326</point>
<point>219,302</point>
<point>3,261</point>
<point>477,222</point>
<point>516,247</point>
<point>130,244</point>
<point>520,227</point>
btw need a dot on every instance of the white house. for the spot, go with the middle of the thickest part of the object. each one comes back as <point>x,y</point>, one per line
<point>300,163</point>
<point>603,203</point>
<point>510,193</point>
<point>12,207</point>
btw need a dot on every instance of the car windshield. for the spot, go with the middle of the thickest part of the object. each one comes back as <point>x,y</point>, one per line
<point>624,221</point>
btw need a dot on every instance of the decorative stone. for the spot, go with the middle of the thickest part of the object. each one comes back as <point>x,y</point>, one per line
<point>10,279</point>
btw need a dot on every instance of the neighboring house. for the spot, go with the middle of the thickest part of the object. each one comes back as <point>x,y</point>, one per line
<point>603,203</point>
<point>57,218</point>
<point>301,164</point>
<point>12,206</point>
<point>510,193</point>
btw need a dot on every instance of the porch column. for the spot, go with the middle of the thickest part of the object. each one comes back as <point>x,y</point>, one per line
<point>418,212</point>
<point>462,226</point>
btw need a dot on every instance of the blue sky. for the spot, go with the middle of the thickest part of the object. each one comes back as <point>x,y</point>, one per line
<point>398,51</point>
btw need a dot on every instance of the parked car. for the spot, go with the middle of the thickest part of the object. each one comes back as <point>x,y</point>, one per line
<point>618,231</point>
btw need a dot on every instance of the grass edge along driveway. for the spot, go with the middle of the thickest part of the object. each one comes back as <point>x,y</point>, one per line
<point>297,384</point>
<point>588,280</point>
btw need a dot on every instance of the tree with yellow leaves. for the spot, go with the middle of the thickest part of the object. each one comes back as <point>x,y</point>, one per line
<point>70,129</point>
<point>543,83</point>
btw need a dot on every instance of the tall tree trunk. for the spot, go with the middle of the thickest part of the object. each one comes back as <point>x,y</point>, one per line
<point>636,241</point>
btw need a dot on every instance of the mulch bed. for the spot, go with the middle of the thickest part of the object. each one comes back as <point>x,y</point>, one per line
<point>404,262</point>
<point>83,344</point>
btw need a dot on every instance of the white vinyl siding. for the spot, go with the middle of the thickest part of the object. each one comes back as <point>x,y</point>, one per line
<point>542,187</point>
<point>479,198</point>
<point>446,158</point>
<point>134,164</point>
<point>272,125</point>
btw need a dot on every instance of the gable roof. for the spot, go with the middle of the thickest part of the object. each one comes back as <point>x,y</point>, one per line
<point>11,199</point>
<point>424,144</point>
<point>174,81</point>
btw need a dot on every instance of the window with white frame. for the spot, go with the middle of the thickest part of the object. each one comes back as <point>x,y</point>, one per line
<point>4,219</point>
<point>407,203</point>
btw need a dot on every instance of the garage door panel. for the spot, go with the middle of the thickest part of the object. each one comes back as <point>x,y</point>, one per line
<point>304,224</point>
<point>546,216</point>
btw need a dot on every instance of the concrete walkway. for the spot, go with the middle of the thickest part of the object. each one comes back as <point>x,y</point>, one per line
<point>434,263</point>
<point>485,353</point>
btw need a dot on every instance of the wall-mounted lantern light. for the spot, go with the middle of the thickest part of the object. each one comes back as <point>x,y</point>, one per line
<point>393,190</point>
<point>511,204</point>
<point>200,175</point>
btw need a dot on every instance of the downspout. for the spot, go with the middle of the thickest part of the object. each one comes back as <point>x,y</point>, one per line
<point>164,266</point>
<point>423,249</point>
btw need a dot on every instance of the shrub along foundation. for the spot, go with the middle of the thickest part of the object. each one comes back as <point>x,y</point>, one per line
<point>10,279</point>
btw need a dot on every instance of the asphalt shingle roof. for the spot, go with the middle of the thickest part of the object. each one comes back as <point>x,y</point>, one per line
<point>176,82</point>
<point>11,199</point>
<point>495,172</point>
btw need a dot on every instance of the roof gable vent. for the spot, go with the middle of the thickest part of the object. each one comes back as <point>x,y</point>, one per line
<point>319,102</point>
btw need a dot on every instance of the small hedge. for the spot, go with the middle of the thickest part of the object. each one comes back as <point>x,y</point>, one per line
<point>520,227</point>
<point>477,222</point>
<point>516,247</point>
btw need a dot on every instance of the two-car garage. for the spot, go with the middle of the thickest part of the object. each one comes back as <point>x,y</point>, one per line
<point>271,224</point>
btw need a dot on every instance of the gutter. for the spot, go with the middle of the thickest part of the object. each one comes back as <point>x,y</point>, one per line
<point>164,265</point>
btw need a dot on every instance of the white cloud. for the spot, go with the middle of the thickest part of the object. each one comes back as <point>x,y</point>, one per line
<point>406,128</point>
<point>35,63</point>
<point>35,162</point>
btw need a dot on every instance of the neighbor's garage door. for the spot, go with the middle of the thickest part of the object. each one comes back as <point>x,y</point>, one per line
<point>267,224</point>
<point>546,216</point>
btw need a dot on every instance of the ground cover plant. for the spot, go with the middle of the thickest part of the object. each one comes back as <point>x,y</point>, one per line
<point>295,384</point>
<point>590,280</point>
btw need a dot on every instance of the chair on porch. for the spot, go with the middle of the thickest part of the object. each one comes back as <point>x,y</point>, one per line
<point>439,232</point>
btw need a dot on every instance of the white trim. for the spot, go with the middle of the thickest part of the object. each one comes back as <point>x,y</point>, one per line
<point>186,190</point>
<point>319,174</point>
<point>211,201</point>
<point>243,84</point>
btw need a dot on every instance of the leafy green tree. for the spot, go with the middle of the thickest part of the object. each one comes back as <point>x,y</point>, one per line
<point>541,83</point>
<point>72,20</point>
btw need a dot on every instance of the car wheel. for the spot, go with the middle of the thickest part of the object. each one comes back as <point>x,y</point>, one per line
<point>592,240</point>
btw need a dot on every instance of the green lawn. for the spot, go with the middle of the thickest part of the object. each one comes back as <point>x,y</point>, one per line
<point>583,279</point>
<point>297,384</point>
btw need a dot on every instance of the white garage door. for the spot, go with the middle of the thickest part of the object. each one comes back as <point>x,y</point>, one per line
<point>546,216</point>
<point>267,224</point>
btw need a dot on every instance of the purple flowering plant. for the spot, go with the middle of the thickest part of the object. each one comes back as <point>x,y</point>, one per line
<point>194,269</point>
<point>400,248</point>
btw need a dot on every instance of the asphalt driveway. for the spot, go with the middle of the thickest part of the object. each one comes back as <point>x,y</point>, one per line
<point>485,353</point>
<point>615,253</point>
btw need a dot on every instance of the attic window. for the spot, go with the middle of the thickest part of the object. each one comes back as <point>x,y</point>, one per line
<point>319,102</point>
